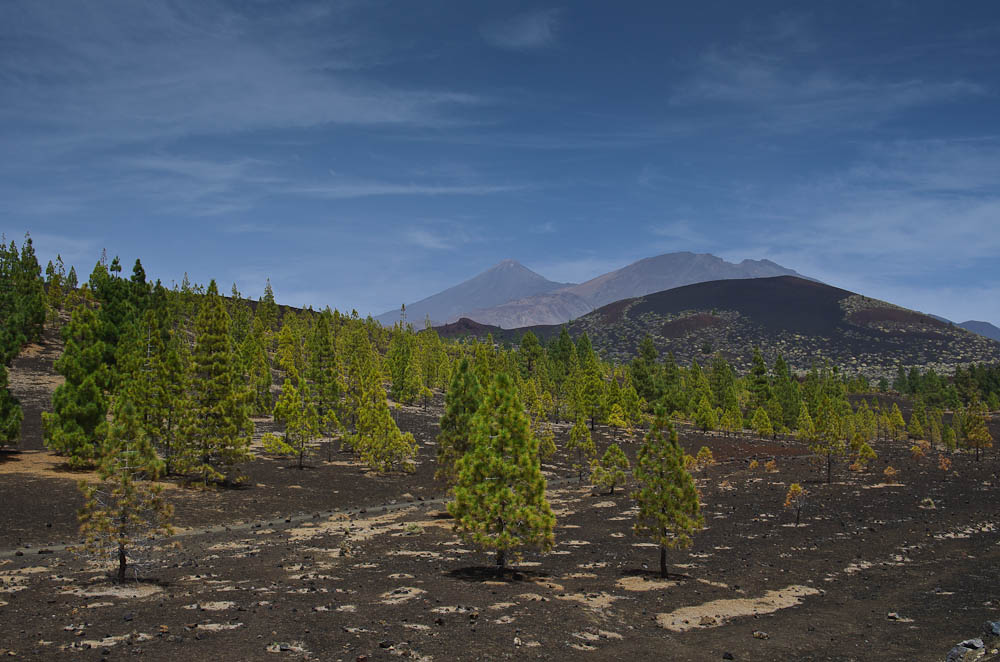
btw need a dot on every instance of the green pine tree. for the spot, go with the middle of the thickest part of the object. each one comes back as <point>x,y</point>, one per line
<point>75,426</point>
<point>761,423</point>
<point>581,444</point>
<point>669,509</point>
<point>610,470</point>
<point>461,403</point>
<point>10,412</point>
<point>217,431</point>
<point>121,513</point>
<point>296,411</point>
<point>500,499</point>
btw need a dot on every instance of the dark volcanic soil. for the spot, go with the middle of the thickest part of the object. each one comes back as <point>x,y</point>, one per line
<point>383,576</point>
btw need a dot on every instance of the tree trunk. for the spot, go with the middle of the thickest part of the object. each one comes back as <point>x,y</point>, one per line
<point>501,561</point>
<point>797,512</point>
<point>122,562</point>
<point>829,466</point>
<point>663,562</point>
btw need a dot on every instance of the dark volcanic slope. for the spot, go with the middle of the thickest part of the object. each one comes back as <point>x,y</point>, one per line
<point>652,274</point>
<point>805,321</point>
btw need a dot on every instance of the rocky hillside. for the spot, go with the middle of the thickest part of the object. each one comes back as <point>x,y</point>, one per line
<point>803,320</point>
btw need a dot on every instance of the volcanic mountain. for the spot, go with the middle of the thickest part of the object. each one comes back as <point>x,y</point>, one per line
<point>506,281</point>
<point>805,321</point>
<point>982,328</point>
<point>511,296</point>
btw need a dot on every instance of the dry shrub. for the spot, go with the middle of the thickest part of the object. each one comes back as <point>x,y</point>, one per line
<point>890,473</point>
<point>754,465</point>
<point>944,463</point>
<point>771,466</point>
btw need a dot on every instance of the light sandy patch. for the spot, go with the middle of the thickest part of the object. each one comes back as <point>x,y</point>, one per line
<point>416,626</point>
<point>709,582</point>
<point>356,530</point>
<point>579,575</point>
<point>532,597</point>
<point>106,642</point>
<point>216,627</point>
<point>644,544</point>
<point>400,575</point>
<point>96,605</point>
<point>529,564</point>
<point>617,535</point>
<point>502,605</point>
<point>124,591</point>
<point>717,612</point>
<point>400,595</point>
<point>504,620</point>
<point>600,600</point>
<point>211,606</point>
<point>583,647</point>
<point>645,584</point>
<point>17,580</point>
<point>451,609</point>
<point>575,543</point>
<point>858,567</point>
<point>242,545</point>
<point>49,465</point>
<point>604,504</point>
<point>551,585</point>
<point>595,564</point>
<point>879,486</point>
<point>347,609</point>
<point>415,553</point>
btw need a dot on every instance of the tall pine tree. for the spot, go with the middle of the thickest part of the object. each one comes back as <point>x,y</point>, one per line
<point>500,499</point>
<point>669,511</point>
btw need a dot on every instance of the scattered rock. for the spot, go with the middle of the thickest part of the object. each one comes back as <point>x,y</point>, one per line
<point>760,634</point>
<point>728,656</point>
<point>993,628</point>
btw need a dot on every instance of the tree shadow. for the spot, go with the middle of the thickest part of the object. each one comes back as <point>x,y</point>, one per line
<point>479,574</point>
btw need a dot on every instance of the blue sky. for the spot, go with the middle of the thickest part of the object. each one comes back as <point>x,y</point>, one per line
<point>365,154</point>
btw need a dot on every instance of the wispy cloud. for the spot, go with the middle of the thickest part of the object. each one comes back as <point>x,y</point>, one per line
<point>784,96</point>
<point>525,32</point>
<point>141,72</point>
<point>428,240</point>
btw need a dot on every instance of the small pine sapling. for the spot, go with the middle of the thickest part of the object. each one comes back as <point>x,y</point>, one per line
<point>581,444</point>
<point>704,458</point>
<point>610,470</point>
<point>864,455</point>
<point>796,498</point>
<point>890,473</point>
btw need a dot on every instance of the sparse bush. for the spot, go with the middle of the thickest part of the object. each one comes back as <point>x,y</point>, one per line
<point>704,457</point>
<point>927,503</point>
<point>771,466</point>
<point>690,462</point>
<point>796,498</point>
<point>754,465</point>
<point>920,449</point>
<point>890,473</point>
<point>865,455</point>
<point>944,463</point>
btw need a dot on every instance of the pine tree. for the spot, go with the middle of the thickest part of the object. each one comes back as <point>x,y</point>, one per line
<point>805,428</point>
<point>217,431</point>
<point>500,499</point>
<point>760,386</point>
<point>301,420</point>
<point>79,405</point>
<point>30,292</point>
<point>827,439</point>
<point>705,417</point>
<point>761,423</point>
<point>125,509</point>
<point>610,471</point>
<point>669,510</point>
<point>257,367</point>
<point>896,423</point>
<point>582,445</point>
<point>10,412</point>
<point>461,403</point>
<point>267,309</point>
<point>976,432</point>
<point>616,419</point>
